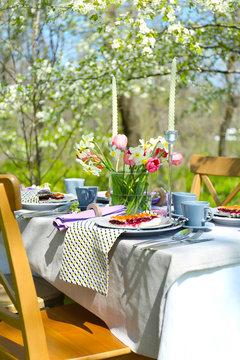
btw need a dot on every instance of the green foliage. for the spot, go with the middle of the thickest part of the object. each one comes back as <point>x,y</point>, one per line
<point>52,93</point>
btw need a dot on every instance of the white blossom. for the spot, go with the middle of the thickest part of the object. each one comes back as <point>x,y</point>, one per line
<point>143,28</point>
<point>137,154</point>
<point>147,50</point>
<point>116,44</point>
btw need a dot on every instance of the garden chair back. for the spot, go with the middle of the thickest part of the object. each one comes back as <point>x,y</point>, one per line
<point>48,295</point>
<point>205,166</point>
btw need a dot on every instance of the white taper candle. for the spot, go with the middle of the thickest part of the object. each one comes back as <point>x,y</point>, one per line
<point>114,107</point>
<point>171,110</point>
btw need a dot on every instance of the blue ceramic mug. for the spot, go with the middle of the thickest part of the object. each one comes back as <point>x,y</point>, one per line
<point>86,195</point>
<point>178,198</point>
<point>197,213</point>
<point>72,183</point>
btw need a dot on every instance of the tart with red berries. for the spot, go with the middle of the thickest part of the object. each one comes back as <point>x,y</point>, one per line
<point>231,210</point>
<point>143,220</point>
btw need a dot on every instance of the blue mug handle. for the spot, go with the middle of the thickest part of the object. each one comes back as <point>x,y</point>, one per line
<point>91,195</point>
<point>208,210</point>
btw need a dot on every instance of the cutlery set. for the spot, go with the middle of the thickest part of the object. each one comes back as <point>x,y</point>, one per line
<point>182,237</point>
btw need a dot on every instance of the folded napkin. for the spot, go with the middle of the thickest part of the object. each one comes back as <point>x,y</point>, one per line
<point>65,221</point>
<point>85,255</point>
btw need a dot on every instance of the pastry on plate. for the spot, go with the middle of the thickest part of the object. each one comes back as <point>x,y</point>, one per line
<point>46,195</point>
<point>231,210</point>
<point>136,221</point>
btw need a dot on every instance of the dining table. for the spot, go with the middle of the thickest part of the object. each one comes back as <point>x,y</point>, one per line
<point>170,301</point>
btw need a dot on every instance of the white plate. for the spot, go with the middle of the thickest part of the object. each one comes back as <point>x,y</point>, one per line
<point>225,220</point>
<point>139,232</point>
<point>105,223</point>
<point>49,204</point>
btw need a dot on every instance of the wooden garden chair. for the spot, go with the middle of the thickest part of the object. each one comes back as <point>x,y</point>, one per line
<point>203,166</point>
<point>48,295</point>
<point>62,332</point>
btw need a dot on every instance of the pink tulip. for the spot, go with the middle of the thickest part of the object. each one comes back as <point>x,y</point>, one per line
<point>153,165</point>
<point>120,141</point>
<point>126,159</point>
<point>177,158</point>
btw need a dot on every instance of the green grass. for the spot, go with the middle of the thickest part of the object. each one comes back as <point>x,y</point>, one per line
<point>181,180</point>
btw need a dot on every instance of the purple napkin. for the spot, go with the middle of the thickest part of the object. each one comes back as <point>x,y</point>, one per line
<point>63,222</point>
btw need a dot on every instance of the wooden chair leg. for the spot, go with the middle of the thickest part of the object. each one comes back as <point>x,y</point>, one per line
<point>196,185</point>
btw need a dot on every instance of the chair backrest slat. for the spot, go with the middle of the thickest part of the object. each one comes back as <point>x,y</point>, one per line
<point>215,165</point>
<point>12,188</point>
<point>204,166</point>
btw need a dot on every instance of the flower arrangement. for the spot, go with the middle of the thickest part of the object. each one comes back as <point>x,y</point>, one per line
<point>128,167</point>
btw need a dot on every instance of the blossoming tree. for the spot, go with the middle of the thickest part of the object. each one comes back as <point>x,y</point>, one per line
<point>57,59</point>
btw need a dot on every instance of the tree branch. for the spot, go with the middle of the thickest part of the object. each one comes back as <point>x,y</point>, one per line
<point>213,25</point>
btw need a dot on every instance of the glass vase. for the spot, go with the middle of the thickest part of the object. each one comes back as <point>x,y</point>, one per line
<point>130,189</point>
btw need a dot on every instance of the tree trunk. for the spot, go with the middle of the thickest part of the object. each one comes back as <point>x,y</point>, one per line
<point>130,120</point>
<point>231,104</point>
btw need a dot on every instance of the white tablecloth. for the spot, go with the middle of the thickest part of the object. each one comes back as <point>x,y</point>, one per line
<point>202,314</point>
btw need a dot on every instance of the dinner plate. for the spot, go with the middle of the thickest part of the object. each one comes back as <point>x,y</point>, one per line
<point>105,222</point>
<point>226,220</point>
<point>49,204</point>
<point>223,219</point>
<point>131,232</point>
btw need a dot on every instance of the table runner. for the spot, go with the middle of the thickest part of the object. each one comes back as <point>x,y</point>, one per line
<point>85,255</point>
